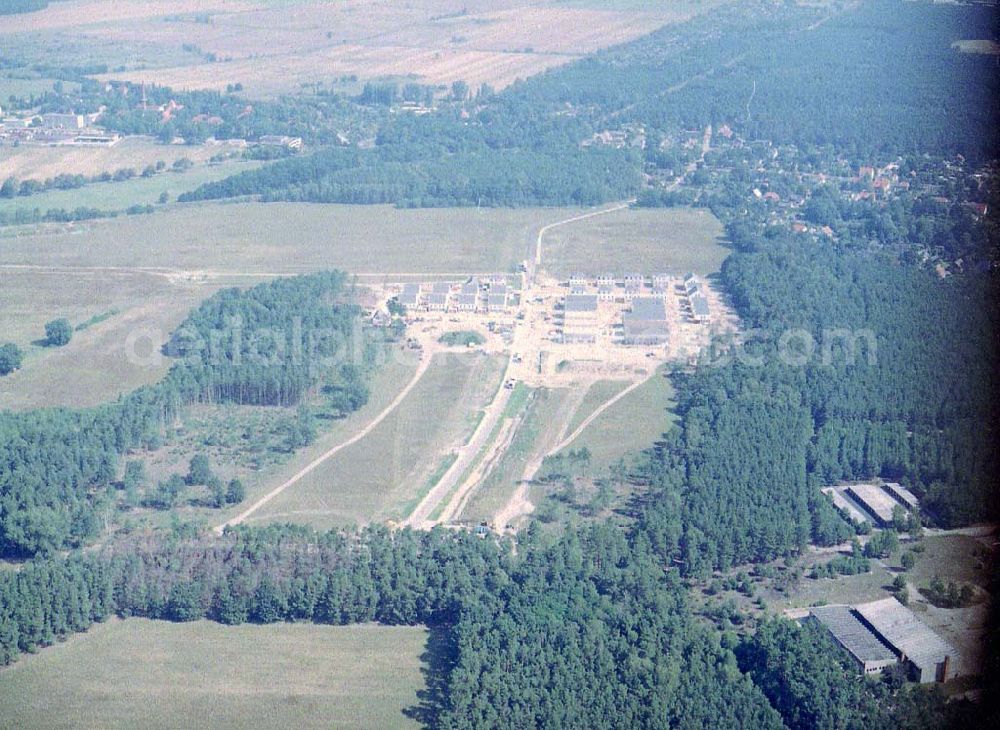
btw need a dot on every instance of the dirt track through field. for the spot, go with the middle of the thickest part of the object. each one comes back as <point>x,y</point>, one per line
<point>593,416</point>
<point>519,504</point>
<point>544,229</point>
<point>420,517</point>
<point>425,362</point>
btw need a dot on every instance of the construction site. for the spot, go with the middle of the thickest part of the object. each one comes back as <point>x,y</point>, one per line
<point>590,326</point>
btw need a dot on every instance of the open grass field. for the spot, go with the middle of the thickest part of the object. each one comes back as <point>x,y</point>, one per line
<point>952,557</point>
<point>535,435</point>
<point>597,394</point>
<point>630,425</point>
<point>39,162</point>
<point>117,196</point>
<point>672,241</point>
<point>962,559</point>
<point>376,478</point>
<point>271,469</point>
<point>103,361</point>
<point>150,674</point>
<point>288,238</point>
<point>151,270</point>
<point>26,87</point>
<point>848,589</point>
<point>273,47</point>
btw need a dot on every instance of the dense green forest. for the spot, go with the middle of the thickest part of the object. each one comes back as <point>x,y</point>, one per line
<point>855,367</point>
<point>269,345</point>
<point>583,631</point>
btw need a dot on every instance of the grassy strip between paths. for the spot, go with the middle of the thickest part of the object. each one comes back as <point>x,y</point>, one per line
<point>432,482</point>
<point>518,400</point>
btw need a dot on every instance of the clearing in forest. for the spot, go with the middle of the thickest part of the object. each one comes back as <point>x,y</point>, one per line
<point>375,478</point>
<point>156,674</point>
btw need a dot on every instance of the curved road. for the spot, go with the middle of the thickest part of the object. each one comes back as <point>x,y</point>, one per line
<point>544,229</point>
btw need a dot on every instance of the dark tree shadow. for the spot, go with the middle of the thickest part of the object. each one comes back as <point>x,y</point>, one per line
<point>438,658</point>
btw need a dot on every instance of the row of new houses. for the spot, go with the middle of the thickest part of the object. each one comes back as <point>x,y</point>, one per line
<point>489,294</point>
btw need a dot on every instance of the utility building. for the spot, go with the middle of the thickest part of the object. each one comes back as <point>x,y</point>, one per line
<point>929,657</point>
<point>883,633</point>
<point>875,501</point>
<point>847,629</point>
<point>902,495</point>
<point>646,324</point>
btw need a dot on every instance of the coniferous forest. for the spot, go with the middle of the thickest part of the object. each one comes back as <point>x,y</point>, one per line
<point>268,345</point>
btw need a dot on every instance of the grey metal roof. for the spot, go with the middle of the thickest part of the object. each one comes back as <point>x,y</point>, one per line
<point>437,298</point>
<point>647,308</point>
<point>908,634</point>
<point>902,494</point>
<point>852,634</point>
<point>441,287</point>
<point>411,288</point>
<point>648,329</point>
<point>581,303</point>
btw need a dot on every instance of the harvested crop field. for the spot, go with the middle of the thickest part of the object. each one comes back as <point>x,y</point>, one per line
<point>274,47</point>
<point>39,162</point>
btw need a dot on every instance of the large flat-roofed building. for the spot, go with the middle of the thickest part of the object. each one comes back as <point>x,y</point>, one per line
<point>700,311</point>
<point>63,121</point>
<point>580,318</point>
<point>875,501</point>
<point>466,302</point>
<point>496,302</point>
<point>847,629</point>
<point>580,305</point>
<point>929,657</point>
<point>842,502</point>
<point>646,324</point>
